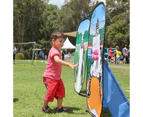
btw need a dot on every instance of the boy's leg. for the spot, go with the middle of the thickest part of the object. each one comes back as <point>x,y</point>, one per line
<point>45,81</point>
<point>59,102</point>
<point>60,94</point>
<point>46,108</point>
<point>45,104</point>
<point>51,86</point>
<point>117,61</point>
<point>60,108</point>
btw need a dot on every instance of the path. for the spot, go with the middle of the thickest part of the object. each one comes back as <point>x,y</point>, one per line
<point>119,67</point>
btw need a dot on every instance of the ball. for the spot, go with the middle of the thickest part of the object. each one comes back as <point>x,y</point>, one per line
<point>95,57</point>
<point>95,52</point>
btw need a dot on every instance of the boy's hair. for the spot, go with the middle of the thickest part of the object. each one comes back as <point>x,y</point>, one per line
<point>57,34</point>
<point>117,47</point>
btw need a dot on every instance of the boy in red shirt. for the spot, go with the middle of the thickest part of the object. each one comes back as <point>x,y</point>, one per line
<point>110,55</point>
<point>52,75</point>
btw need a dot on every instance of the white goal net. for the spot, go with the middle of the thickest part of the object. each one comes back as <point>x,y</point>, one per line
<point>25,53</point>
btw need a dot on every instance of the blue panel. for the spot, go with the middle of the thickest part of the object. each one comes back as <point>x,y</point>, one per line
<point>114,97</point>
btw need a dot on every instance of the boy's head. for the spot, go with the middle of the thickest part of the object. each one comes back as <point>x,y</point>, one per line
<point>57,34</point>
<point>117,47</point>
<point>57,39</point>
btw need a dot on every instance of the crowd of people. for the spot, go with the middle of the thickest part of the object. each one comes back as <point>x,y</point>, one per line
<point>119,55</point>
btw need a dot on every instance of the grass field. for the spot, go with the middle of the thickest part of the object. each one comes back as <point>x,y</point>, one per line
<point>29,92</point>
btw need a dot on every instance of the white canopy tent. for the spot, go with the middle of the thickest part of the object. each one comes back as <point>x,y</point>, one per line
<point>68,44</point>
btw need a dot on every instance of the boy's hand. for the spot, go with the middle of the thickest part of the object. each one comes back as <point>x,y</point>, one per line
<point>73,66</point>
<point>58,60</point>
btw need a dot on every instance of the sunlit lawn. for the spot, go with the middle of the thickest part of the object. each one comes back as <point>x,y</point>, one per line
<point>29,92</point>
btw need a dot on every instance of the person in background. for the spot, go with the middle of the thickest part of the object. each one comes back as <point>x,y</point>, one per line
<point>14,53</point>
<point>129,54</point>
<point>118,54</point>
<point>69,55</point>
<point>52,74</point>
<point>40,55</point>
<point>63,55</point>
<point>45,57</point>
<point>115,54</point>
<point>110,55</point>
<point>121,57</point>
<point>125,54</point>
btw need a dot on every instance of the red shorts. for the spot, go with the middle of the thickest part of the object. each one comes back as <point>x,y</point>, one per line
<point>55,89</point>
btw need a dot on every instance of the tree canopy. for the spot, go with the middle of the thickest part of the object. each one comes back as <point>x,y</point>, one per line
<point>35,20</point>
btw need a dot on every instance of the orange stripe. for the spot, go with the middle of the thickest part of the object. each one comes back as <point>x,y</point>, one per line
<point>94,101</point>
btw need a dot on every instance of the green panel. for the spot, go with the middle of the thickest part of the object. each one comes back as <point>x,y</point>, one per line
<point>81,41</point>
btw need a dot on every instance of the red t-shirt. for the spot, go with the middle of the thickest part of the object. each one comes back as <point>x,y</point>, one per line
<point>53,69</point>
<point>110,52</point>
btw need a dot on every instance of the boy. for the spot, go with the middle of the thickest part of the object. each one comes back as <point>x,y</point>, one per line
<point>110,55</point>
<point>52,75</point>
<point>118,54</point>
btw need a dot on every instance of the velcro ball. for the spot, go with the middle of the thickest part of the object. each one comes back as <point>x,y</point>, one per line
<point>95,52</point>
<point>95,57</point>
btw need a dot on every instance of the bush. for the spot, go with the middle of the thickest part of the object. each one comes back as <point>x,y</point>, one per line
<point>26,56</point>
<point>19,56</point>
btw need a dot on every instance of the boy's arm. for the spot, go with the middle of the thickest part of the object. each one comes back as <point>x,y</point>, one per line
<point>58,60</point>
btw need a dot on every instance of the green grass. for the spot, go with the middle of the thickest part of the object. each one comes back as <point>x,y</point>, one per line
<point>29,92</point>
<point>123,78</point>
<point>120,64</point>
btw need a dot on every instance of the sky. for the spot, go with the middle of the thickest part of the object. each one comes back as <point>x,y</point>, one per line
<point>59,3</point>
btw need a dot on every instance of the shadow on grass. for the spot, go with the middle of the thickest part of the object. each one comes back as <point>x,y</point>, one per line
<point>15,99</point>
<point>106,113</point>
<point>70,110</point>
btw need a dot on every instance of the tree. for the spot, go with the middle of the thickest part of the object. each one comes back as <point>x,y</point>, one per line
<point>76,11</point>
<point>35,20</point>
<point>49,16</point>
<point>117,23</point>
<point>28,20</point>
<point>44,45</point>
